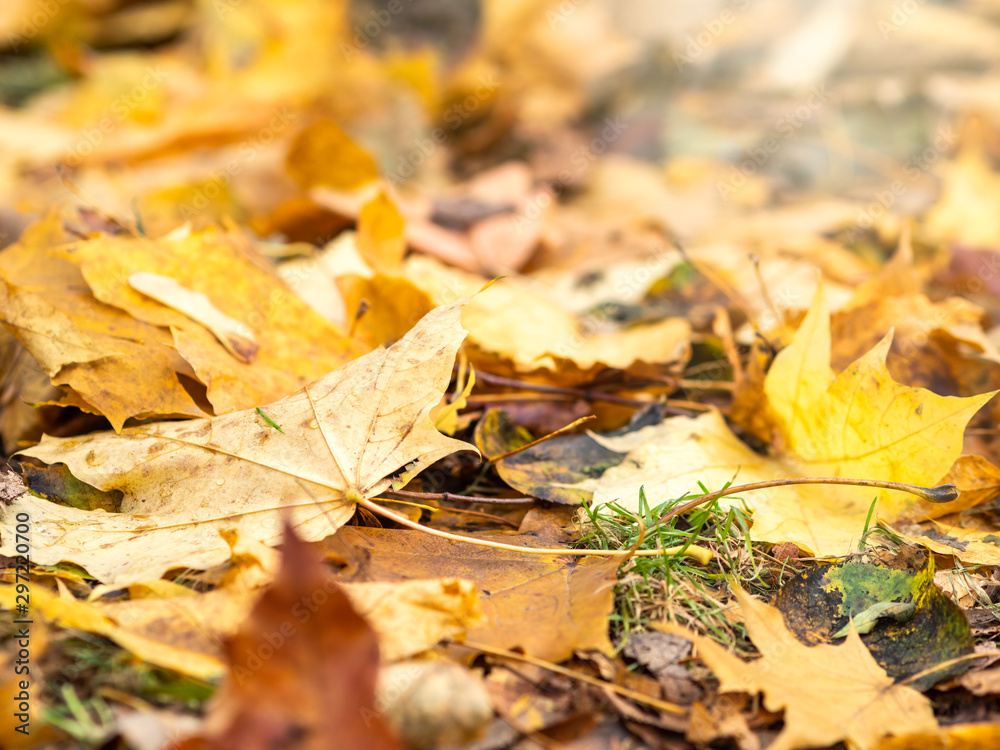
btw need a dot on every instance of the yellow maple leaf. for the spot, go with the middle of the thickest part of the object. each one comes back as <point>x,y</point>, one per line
<point>860,424</point>
<point>828,693</point>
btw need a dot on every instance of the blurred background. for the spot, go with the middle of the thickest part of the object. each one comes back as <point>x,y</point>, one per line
<point>777,141</point>
<point>764,101</point>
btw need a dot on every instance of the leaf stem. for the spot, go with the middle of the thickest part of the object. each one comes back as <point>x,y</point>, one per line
<point>460,498</point>
<point>698,553</point>
<point>943,494</point>
<point>562,430</point>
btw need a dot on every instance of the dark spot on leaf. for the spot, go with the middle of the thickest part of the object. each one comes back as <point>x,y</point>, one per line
<point>951,541</point>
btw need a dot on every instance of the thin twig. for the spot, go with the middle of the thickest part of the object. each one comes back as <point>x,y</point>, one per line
<point>943,494</point>
<point>671,708</point>
<point>610,398</point>
<point>572,425</point>
<point>460,498</point>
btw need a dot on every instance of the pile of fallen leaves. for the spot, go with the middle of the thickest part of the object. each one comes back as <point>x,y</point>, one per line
<point>364,387</point>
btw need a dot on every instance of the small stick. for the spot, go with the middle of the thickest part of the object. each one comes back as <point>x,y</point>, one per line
<point>944,493</point>
<point>610,398</point>
<point>672,708</point>
<point>460,498</point>
<point>533,443</point>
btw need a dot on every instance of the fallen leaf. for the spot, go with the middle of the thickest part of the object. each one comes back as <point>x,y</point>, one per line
<point>524,598</point>
<point>817,604</point>
<point>955,737</point>
<point>295,346</point>
<point>302,668</point>
<point>969,189</point>
<point>565,469</point>
<point>235,336</point>
<point>977,481</point>
<point>184,632</point>
<point>381,234</point>
<point>505,338</point>
<point>86,345</point>
<point>86,616</point>
<point>858,424</point>
<point>861,423</point>
<point>344,436</point>
<point>933,341</point>
<point>829,693</point>
<point>971,546</point>
<point>391,307</point>
<point>322,154</point>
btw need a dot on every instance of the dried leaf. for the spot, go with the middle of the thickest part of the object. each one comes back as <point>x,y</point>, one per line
<point>828,693</point>
<point>345,435</point>
<point>322,154</point>
<point>524,599</point>
<point>235,336</point>
<point>381,235</point>
<point>303,668</point>
<point>858,424</point>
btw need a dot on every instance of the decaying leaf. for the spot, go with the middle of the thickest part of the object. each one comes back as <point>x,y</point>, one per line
<point>919,626</point>
<point>565,469</point>
<point>344,436</point>
<point>828,693</point>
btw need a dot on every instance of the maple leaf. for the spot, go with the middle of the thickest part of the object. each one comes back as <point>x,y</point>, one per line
<point>858,424</point>
<point>342,437</point>
<point>828,693</point>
